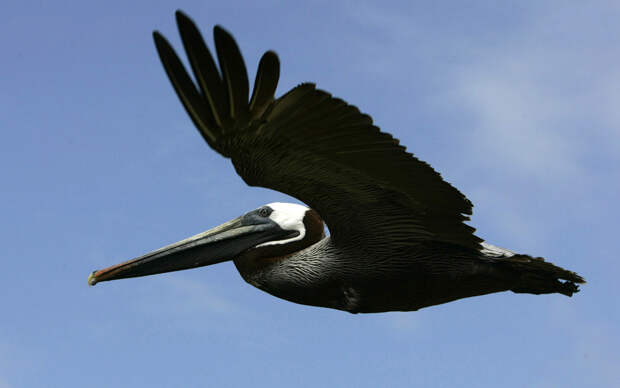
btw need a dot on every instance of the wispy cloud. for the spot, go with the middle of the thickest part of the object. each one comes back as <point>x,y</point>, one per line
<point>514,122</point>
<point>543,117</point>
<point>535,96</point>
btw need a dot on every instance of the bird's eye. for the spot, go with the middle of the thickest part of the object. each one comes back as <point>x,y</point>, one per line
<point>263,212</point>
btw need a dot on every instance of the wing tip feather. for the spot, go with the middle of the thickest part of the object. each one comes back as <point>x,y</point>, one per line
<point>233,69</point>
<point>265,83</point>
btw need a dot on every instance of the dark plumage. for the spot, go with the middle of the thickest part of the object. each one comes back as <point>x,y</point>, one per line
<point>397,240</point>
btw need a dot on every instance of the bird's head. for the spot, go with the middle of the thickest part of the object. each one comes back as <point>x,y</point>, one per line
<point>275,229</point>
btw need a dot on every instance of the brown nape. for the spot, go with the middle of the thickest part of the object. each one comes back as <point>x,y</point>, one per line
<point>256,258</point>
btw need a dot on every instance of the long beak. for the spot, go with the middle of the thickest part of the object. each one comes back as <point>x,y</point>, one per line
<point>216,245</point>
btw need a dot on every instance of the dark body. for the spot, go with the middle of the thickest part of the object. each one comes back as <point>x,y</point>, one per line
<point>352,280</point>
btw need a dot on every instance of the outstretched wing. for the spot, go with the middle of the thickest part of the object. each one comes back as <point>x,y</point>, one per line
<point>314,147</point>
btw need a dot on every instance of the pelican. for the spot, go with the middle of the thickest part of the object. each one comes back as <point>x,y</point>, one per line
<point>398,239</point>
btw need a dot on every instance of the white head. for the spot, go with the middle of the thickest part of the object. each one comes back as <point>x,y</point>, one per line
<point>289,216</point>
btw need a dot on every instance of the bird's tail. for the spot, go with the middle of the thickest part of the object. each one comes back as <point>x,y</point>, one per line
<point>536,276</point>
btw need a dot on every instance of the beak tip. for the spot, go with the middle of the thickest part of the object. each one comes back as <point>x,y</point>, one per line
<point>92,279</point>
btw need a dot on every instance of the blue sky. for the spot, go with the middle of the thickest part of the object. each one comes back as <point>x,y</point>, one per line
<point>515,104</point>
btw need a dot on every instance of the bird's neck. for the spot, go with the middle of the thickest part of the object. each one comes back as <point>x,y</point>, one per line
<point>302,268</point>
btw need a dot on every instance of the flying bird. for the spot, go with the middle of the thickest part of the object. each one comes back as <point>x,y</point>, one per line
<point>397,234</point>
